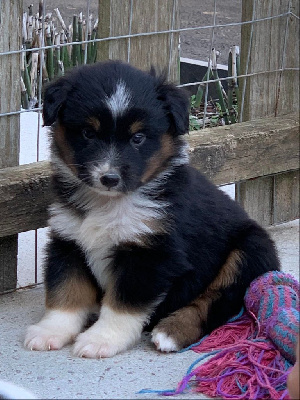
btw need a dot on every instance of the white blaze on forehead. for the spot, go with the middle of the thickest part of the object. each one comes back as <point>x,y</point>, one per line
<point>119,101</point>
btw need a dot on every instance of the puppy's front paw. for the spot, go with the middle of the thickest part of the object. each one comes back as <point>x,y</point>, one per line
<point>113,333</point>
<point>40,338</point>
<point>56,329</point>
<point>91,344</point>
<point>163,342</point>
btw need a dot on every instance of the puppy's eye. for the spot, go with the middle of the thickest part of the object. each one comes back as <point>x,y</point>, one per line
<point>88,134</point>
<point>137,139</point>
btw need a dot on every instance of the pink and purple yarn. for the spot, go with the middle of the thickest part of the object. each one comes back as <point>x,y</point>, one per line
<point>251,356</point>
<point>273,298</point>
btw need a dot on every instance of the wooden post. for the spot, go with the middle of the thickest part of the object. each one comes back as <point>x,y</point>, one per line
<point>147,16</point>
<point>273,45</point>
<point>10,39</point>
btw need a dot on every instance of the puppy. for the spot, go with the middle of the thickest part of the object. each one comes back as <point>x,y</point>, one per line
<point>136,233</point>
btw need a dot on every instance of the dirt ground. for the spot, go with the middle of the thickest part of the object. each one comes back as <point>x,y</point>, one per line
<point>194,44</point>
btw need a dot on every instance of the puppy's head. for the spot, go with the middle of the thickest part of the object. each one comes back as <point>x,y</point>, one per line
<point>115,127</point>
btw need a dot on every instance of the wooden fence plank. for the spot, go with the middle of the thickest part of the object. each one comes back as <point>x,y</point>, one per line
<point>248,150</point>
<point>272,46</point>
<point>10,94</point>
<point>261,188</point>
<point>224,154</point>
<point>9,256</point>
<point>10,39</point>
<point>286,196</point>
<point>24,197</point>
<point>147,16</point>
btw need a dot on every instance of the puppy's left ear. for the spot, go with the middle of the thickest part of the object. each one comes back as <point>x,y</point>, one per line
<point>176,104</point>
<point>55,96</point>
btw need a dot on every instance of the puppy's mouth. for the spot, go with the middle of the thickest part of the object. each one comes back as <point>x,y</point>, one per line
<point>107,192</point>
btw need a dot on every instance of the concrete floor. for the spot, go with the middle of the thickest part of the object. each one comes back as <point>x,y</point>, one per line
<point>59,375</point>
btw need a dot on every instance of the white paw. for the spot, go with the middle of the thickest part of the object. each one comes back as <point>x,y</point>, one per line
<point>163,342</point>
<point>56,329</point>
<point>91,344</point>
<point>40,338</point>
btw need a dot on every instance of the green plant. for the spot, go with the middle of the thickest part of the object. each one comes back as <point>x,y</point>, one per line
<point>57,59</point>
<point>194,123</point>
<point>226,105</point>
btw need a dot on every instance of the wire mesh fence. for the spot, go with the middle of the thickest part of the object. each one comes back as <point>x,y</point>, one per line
<point>51,46</point>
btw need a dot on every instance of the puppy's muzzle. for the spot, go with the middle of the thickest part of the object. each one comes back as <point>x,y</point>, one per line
<point>110,180</point>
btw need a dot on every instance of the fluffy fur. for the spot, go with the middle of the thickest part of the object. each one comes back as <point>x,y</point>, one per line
<point>137,233</point>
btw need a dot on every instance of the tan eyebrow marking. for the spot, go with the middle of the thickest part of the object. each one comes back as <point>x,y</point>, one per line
<point>136,127</point>
<point>94,122</point>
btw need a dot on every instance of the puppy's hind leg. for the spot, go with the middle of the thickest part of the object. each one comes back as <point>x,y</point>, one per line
<point>188,324</point>
<point>254,255</point>
<point>178,330</point>
<point>70,295</point>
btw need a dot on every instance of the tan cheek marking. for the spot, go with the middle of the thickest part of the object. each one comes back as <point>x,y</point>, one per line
<point>94,122</point>
<point>184,325</point>
<point>136,127</point>
<point>77,292</point>
<point>167,147</point>
<point>157,161</point>
<point>65,151</point>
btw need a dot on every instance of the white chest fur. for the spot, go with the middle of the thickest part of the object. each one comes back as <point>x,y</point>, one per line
<point>117,220</point>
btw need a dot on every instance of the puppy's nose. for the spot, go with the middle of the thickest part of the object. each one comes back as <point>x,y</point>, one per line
<point>110,180</point>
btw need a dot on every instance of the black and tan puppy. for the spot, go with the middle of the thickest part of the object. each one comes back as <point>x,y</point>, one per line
<point>136,232</point>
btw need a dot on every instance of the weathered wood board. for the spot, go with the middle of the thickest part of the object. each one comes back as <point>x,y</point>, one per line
<point>248,150</point>
<point>10,100</point>
<point>259,190</point>
<point>24,197</point>
<point>270,46</point>
<point>8,264</point>
<point>159,50</point>
<point>10,94</point>
<point>286,196</point>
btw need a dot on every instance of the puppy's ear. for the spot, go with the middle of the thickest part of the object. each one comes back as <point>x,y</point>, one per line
<point>55,96</point>
<point>176,104</point>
